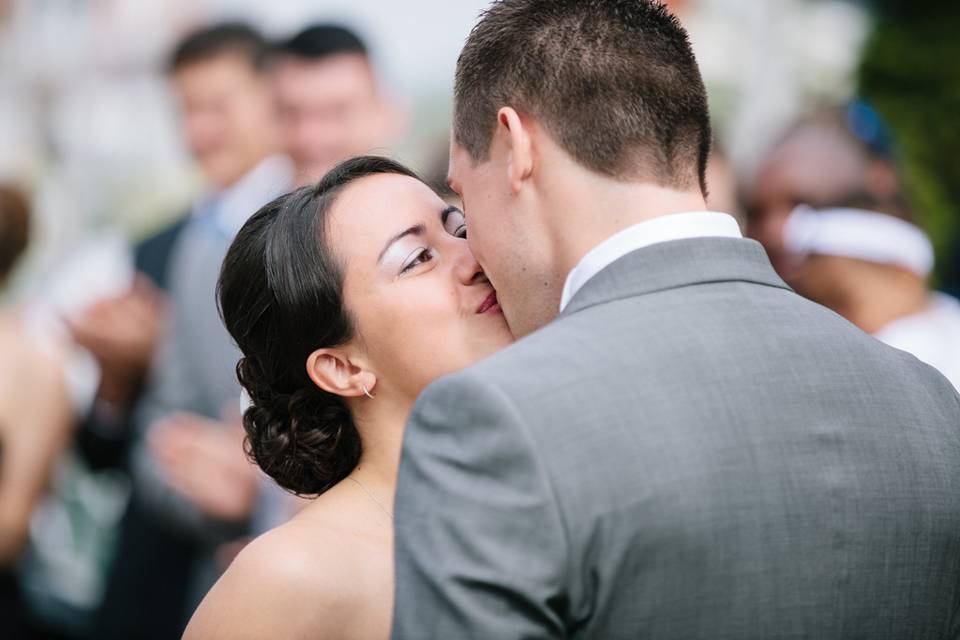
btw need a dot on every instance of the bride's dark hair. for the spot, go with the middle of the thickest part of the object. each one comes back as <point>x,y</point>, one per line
<point>281,297</point>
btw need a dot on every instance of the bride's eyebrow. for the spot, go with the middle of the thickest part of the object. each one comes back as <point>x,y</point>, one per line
<point>416,230</point>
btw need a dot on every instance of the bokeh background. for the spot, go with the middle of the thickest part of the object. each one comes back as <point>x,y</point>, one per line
<point>90,132</point>
<point>88,123</point>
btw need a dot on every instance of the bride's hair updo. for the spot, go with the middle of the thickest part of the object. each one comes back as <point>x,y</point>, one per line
<point>281,297</point>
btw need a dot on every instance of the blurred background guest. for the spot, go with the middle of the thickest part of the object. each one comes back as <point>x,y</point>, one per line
<point>216,75</point>
<point>872,267</point>
<point>35,416</point>
<point>829,207</point>
<point>829,158</point>
<point>122,333</point>
<point>330,101</point>
<point>193,489</point>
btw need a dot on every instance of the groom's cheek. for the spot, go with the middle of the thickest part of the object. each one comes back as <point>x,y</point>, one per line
<point>476,248</point>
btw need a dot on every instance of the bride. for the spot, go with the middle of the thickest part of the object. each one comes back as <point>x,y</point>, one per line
<point>346,298</point>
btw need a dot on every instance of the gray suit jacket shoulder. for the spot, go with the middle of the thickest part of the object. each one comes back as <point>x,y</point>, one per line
<point>690,451</point>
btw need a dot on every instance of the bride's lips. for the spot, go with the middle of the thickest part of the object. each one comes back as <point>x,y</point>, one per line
<point>490,305</point>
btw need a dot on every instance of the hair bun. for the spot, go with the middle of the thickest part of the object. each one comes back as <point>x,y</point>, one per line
<point>305,440</point>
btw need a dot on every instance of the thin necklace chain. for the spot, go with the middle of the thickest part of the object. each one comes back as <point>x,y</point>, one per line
<point>370,495</point>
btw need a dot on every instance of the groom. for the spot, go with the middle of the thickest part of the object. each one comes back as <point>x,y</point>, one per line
<point>690,450</point>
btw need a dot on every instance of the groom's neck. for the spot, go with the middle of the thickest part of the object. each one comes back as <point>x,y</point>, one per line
<point>565,211</point>
<point>592,209</point>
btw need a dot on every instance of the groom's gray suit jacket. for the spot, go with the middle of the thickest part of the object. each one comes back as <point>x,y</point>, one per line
<point>690,451</point>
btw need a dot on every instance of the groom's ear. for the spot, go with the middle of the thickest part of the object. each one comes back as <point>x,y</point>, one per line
<point>332,371</point>
<point>519,147</point>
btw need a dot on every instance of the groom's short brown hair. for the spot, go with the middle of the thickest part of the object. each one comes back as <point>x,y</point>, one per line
<point>615,82</point>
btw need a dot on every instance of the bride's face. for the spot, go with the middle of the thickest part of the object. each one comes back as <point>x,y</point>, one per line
<point>422,305</point>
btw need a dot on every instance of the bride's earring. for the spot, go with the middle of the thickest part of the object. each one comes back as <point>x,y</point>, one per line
<point>366,391</point>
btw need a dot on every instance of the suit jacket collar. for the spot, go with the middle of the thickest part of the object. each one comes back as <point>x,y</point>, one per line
<point>675,264</point>
<point>675,226</point>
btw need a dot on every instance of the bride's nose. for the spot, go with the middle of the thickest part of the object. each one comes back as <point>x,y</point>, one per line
<point>466,268</point>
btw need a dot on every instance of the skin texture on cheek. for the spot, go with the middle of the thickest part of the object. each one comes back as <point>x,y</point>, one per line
<point>417,339</point>
<point>528,293</point>
<point>426,327</point>
<point>540,309</point>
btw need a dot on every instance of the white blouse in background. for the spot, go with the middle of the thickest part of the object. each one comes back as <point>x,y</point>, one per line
<point>933,335</point>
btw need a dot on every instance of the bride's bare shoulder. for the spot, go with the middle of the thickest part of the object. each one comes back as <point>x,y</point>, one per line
<point>307,578</point>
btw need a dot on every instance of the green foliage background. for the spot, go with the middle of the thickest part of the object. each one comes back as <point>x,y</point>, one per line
<point>911,73</point>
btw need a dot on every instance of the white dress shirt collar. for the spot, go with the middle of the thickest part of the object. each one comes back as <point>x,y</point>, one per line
<point>676,226</point>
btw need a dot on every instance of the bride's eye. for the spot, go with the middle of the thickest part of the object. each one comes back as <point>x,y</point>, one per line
<point>418,257</point>
<point>455,223</point>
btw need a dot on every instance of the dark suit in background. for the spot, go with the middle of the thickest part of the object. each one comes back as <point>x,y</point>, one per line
<point>146,590</point>
<point>165,534</point>
<point>102,444</point>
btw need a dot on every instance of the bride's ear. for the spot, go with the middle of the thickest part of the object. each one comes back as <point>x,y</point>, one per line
<point>332,371</point>
<point>520,147</point>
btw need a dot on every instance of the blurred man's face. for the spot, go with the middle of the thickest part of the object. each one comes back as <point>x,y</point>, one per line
<point>227,116</point>
<point>329,109</point>
<point>813,167</point>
